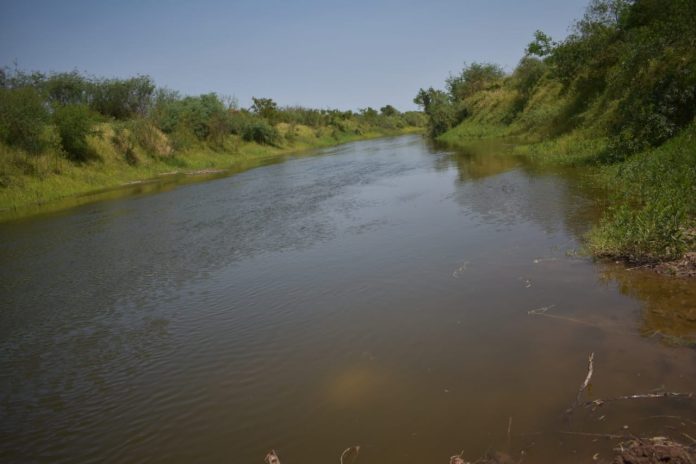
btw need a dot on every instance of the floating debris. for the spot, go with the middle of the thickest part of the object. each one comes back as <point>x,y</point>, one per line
<point>541,310</point>
<point>271,458</point>
<point>350,455</point>
<point>460,270</point>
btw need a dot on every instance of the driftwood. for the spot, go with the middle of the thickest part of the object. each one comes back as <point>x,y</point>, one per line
<point>640,396</point>
<point>583,385</point>
<point>350,455</point>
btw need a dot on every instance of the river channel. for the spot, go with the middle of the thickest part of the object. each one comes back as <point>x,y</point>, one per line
<point>414,300</point>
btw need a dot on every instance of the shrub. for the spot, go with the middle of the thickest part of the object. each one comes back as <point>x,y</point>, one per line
<point>122,98</point>
<point>74,124</point>
<point>23,116</point>
<point>261,132</point>
<point>473,78</point>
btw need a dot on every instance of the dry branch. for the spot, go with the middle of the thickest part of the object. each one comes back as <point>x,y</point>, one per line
<point>641,396</point>
<point>350,455</point>
<point>583,385</point>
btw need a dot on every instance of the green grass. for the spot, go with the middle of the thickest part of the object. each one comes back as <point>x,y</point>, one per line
<point>46,182</point>
<point>652,195</point>
<point>653,213</point>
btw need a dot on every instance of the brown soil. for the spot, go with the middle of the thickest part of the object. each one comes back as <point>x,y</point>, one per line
<point>654,451</point>
<point>685,267</point>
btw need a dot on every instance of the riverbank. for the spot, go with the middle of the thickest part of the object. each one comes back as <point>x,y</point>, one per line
<point>49,182</point>
<point>650,219</point>
<point>616,97</point>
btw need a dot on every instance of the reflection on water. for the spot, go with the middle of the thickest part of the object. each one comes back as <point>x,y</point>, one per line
<point>382,294</point>
<point>669,304</point>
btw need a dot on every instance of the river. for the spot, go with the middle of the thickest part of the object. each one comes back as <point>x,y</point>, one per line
<point>411,299</point>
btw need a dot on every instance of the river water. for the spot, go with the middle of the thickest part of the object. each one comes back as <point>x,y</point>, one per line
<point>410,299</point>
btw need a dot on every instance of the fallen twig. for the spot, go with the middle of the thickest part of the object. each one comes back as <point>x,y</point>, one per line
<point>594,435</point>
<point>350,455</point>
<point>540,311</point>
<point>583,385</point>
<point>641,396</point>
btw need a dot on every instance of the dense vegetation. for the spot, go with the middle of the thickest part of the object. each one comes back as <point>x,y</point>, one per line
<point>618,93</point>
<point>67,133</point>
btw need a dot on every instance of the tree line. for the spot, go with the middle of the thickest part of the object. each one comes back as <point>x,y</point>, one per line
<point>59,111</point>
<point>634,61</point>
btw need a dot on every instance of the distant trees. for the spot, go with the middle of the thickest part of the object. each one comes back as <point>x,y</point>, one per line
<point>388,110</point>
<point>122,98</point>
<point>447,108</point>
<point>59,111</point>
<point>264,107</point>
<point>438,106</point>
<point>640,55</point>
<point>473,78</point>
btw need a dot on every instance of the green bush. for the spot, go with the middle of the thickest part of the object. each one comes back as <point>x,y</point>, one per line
<point>74,124</point>
<point>194,113</point>
<point>23,116</point>
<point>261,132</point>
<point>122,98</point>
<point>655,198</point>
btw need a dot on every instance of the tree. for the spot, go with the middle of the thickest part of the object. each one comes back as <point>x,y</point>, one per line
<point>473,78</point>
<point>389,110</point>
<point>264,107</point>
<point>67,89</point>
<point>439,108</point>
<point>541,46</point>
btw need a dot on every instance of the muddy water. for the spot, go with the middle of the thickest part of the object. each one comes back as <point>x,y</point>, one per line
<point>377,295</point>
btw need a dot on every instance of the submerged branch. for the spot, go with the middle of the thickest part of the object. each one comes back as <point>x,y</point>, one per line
<point>583,385</point>
<point>641,396</point>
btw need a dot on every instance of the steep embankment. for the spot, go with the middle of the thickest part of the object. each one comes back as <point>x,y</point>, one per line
<point>617,98</point>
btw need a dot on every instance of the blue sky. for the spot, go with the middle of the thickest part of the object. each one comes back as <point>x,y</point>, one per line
<point>348,54</point>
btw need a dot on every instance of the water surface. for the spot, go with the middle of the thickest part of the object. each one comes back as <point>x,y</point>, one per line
<point>377,294</point>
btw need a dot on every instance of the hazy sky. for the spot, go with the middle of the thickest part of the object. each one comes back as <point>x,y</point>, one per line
<point>347,54</point>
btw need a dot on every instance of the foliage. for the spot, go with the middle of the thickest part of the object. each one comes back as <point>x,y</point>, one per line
<point>203,115</point>
<point>261,132</point>
<point>655,204</point>
<point>265,108</point>
<point>22,116</point>
<point>438,107</point>
<point>473,78</point>
<point>541,46</point>
<point>67,89</point>
<point>122,98</point>
<point>388,110</point>
<point>617,91</point>
<point>74,124</point>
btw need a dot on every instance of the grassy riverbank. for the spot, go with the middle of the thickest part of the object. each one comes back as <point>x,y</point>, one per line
<point>616,98</point>
<point>40,182</point>
<point>65,135</point>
